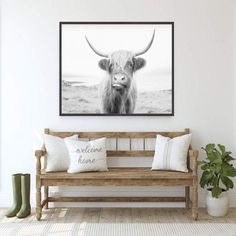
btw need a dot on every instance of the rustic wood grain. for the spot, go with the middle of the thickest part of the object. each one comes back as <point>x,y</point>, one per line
<point>120,173</point>
<point>114,215</point>
<point>118,134</point>
<point>116,199</point>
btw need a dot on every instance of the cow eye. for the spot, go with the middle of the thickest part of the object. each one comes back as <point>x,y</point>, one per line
<point>129,65</point>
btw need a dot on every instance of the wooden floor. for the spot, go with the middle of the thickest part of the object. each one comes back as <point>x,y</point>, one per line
<point>122,215</point>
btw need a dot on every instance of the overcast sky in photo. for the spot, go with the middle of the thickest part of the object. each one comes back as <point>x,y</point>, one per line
<point>80,63</point>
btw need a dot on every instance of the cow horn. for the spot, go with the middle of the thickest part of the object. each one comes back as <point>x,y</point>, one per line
<point>147,47</point>
<point>95,50</point>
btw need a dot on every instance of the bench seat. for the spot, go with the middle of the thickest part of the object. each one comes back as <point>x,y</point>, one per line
<point>120,173</point>
<point>119,177</point>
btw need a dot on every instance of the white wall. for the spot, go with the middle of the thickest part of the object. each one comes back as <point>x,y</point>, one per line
<point>204,76</point>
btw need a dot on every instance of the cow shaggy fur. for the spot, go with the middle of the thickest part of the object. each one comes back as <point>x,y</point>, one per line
<point>119,101</point>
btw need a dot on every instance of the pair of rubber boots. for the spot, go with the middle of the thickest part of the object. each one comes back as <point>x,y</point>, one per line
<point>21,196</point>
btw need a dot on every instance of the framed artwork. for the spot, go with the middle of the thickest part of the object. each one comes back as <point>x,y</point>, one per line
<point>116,68</point>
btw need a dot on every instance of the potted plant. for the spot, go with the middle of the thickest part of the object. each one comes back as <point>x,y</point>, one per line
<point>216,172</point>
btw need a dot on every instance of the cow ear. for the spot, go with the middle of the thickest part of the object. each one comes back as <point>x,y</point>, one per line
<point>103,64</point>
<point>139,63</point>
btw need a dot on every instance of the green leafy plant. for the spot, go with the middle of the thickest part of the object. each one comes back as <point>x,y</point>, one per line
<point>217,169</point>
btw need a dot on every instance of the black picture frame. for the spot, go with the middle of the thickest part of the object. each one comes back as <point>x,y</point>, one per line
<point>62,23</point>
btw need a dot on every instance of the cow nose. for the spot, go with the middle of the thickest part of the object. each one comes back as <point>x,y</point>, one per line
<point>119,78</point>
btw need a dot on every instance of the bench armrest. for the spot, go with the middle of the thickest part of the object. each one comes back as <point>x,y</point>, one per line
<point>193,154</point>
<point>39,153</point>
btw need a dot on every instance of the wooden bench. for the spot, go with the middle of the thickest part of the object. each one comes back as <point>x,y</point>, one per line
<point>122,176</point>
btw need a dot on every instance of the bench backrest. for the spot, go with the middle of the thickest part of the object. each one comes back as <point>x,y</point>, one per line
<point>124,144</point>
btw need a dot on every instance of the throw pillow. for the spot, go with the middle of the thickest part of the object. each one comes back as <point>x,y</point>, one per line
<point>171,154</point>
<point>57,158</point>
<point>87,156</point>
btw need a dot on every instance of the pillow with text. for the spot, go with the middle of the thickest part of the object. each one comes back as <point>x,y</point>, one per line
<point>87,156</point>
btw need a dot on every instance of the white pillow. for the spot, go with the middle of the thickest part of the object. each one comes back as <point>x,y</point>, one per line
<point>171,154</point>
<point>57,153</point>
<point>87,156</point>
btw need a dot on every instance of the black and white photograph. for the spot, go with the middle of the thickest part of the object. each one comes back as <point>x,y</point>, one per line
<point>117,68</point>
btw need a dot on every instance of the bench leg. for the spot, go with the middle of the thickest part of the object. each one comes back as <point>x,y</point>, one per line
<point>187,191</point>
<point>38,199</point>
<point>46,196</point>
<point>195,200</point>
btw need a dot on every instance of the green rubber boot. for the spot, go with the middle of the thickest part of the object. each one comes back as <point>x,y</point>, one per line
<point>25,209</point>
<point>16,185</point>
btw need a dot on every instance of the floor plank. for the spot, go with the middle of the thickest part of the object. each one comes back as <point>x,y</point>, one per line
<point>91,215</point>
<point>108,215</point>
<point>121,215</point>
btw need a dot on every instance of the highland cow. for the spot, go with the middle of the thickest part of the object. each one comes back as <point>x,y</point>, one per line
<point>118,89</point>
